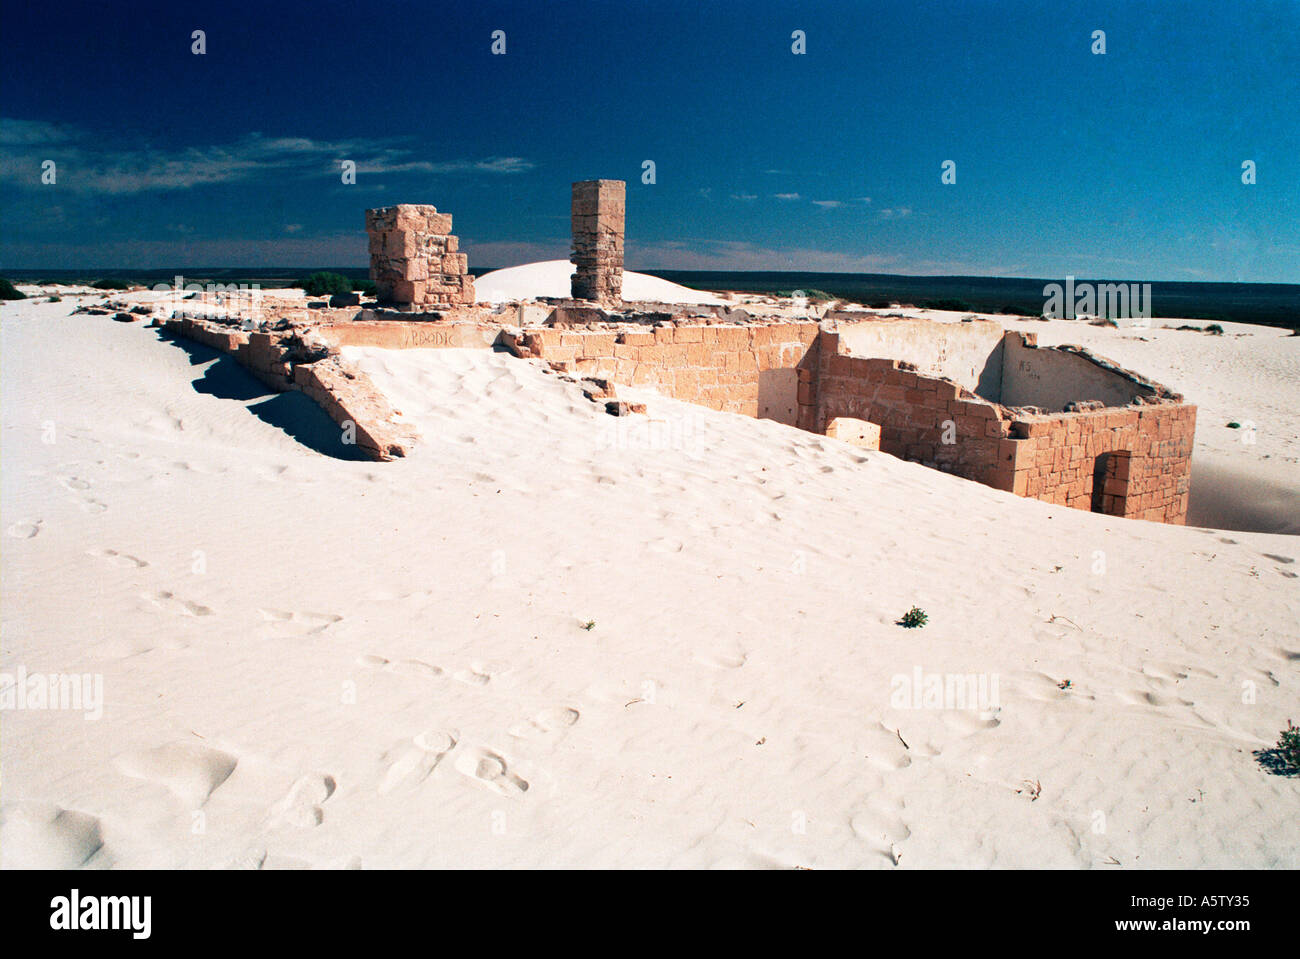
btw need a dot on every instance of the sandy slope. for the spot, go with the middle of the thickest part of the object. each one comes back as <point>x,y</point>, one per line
<point>314,662</point>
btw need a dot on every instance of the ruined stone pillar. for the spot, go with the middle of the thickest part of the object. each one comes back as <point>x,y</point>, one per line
<point>598,211</point>
<point>414,258</point>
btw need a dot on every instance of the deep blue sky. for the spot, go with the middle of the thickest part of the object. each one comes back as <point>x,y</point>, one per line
<point>1124,166</point>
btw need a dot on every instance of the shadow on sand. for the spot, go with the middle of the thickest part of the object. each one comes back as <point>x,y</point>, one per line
<point>291,412</point>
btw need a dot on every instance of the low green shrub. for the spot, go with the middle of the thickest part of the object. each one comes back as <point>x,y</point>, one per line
<point>914,618</point>
<point>326,284</point>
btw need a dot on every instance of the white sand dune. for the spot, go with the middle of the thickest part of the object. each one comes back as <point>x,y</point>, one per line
<point>551,279</point>
<point>330,663</point>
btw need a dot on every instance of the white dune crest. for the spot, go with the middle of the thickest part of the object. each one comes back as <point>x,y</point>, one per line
<point>550,278</point>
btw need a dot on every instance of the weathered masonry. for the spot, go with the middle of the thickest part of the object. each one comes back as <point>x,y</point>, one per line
<point>1059,424</point>
<point>598,211</point>
<point>415,260</point>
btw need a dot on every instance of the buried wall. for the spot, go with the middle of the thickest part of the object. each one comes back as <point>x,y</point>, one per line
<point>1132,461</point>
<point>760,371</point>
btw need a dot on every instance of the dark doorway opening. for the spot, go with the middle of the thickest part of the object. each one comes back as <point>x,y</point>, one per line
<point>1110,474</point>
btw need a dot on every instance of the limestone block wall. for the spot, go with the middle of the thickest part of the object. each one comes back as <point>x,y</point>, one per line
<point>1053,378</point>
<point>415,260</point>
<point>913,412</point>
<point>284,361</point>
<point>1133,462</point>
<point>967,353</point>
<point>598,211</point>
<point>735,369</point>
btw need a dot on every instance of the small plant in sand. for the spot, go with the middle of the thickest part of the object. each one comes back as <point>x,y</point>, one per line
<point>914,618</point>
<point>1065,684</point>
<point>1288,746</point>
<point>7,291</point>
<point>1234,425</point>
<point>1215,329</point>
<point>1284,758</point>
<point>589,625</point>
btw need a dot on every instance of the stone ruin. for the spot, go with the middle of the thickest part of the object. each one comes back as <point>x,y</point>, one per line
<point>598,211</point>
<point>414,258</point>
<point>1057,424</point>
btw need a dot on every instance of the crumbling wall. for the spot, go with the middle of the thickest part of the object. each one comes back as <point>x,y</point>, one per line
<point>921,418</point>
<point>284,361</point>
<point>414,258</point>
<point>598,211</point>
<point>925,419</point>
<point>1053,378</point>
<point>968,353</point>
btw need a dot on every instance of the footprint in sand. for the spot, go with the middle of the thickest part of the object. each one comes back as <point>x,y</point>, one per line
<point>412,760</point>
<point>35,835</point>
<point>289,623</point>
<point>190,771</point>
<point>302,805</point>
<point>25,530</point>
<point>120,560</point>
<point>124,647</point>
<point>723,659</point>
<point>73,484</point>
<point>491,770</point>
<point>883,748</point>
<point>546,724</point>
<point>968,722</point>
<point>879,823</point>
<point>409,667</point>
<point>476,675</point>
<point>171,603</point>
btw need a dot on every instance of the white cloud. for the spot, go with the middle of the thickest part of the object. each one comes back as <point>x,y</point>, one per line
<point>786,196</point>
<point>827,204</point>
<point>87,167</point>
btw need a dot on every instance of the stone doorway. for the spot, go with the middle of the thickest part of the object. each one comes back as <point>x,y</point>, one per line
<point>1110,476</point>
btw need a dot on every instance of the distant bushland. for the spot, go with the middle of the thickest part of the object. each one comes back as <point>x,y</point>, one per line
<point>813,295</point>
<point>956,306</point>
<point>326,284</point>
<point>7,291</point>
<point>112,284</point>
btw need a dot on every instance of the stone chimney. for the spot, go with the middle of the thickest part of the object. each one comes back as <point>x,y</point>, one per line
<point>598,211</point>
<point>414,258</point>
